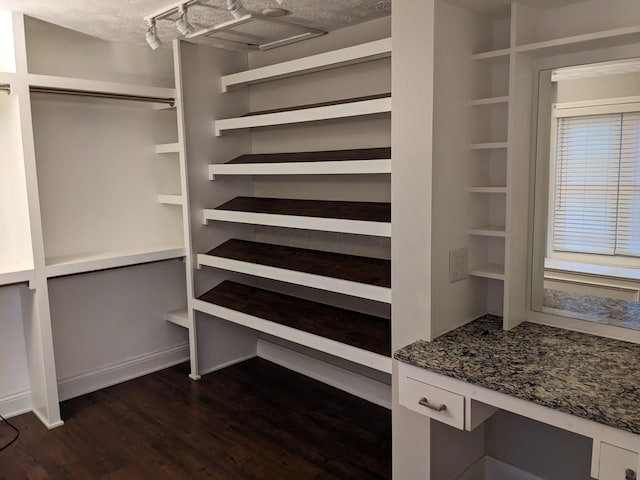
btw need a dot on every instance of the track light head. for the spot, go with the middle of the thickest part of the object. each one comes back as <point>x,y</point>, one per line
<point>182,24</point>
<point>152,36</point>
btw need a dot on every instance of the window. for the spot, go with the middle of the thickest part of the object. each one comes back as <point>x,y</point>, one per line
<point>595,200</point>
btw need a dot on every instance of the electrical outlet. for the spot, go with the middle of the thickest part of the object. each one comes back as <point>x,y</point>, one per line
<point>458,264</point>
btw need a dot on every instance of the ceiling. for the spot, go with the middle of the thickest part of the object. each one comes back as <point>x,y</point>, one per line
<point>122,20</point>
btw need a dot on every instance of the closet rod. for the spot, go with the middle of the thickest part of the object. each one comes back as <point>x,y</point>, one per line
<point>5,88</point>
<point>117,96</point>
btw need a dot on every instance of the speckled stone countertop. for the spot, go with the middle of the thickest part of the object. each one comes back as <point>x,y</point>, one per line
<point>585,375</point>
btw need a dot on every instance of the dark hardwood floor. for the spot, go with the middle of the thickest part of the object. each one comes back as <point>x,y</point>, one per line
<point>254,420</point>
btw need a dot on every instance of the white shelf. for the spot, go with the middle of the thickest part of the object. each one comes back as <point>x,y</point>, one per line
<point>171,199</point>
<point>95,86</point>
<point>88,262</point>
<point>357,227</point>
<point>489,231</point>
<point>15,273</point>
<point>489,101</point>
<point>167,148</point>
<point>346,287</point>
<point>345,167</point>
<point>489,270</point>
<point>316,342</point>
<point>179,317</point>
<point>303,115</point>
<point>588,41</point>
<point>494,56</point>
<point>488,146</point>
<point>496,189</point>
<point>315,63</point>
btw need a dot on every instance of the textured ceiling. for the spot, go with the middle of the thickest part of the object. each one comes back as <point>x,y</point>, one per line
<point>122,20</point>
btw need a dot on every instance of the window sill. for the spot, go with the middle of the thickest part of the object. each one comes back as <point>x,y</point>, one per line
<point>592,269</point>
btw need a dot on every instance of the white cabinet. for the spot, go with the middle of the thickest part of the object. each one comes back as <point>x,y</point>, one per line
<point>617,463</point>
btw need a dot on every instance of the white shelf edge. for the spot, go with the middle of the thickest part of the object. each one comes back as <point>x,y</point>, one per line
<point>478,102</point>
<point>167,148</point>
<point>7,77</point>
<point>356,227</point>
<point>488,146</point>
<point>488,189</point>
<point>300,337</point>
<point>489,231</point>
<point>489,270</point>
<point>171,199</point>
<point>51,81</point>
<point>179,317</point>
<point>576,40</point>
<point>337,58</point>
<point>493,55</point>
<point>342,167</point>
<point>342,110</point>
<point>355,289</point>
<point>73,264</point>
<point>11,273</point>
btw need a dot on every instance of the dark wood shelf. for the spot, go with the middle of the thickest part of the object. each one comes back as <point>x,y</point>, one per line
<point>370,271</point>
<point>363,211</point>
<point>322,156</point>
<point>321,104</point>
<point>359,330</point>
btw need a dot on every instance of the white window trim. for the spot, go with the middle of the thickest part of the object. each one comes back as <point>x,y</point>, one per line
<point>611,265</point>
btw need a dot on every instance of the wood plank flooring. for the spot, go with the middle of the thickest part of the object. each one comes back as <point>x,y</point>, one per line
<point>254,420</point>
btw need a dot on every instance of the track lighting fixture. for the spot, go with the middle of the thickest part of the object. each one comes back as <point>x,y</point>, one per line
<point>152,35</point>
<point>182,24</point>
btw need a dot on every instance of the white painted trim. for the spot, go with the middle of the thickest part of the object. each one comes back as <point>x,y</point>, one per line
<point>343,167</point>
<point>489,231</point>
<point>87,382</point>
<point>315,63</point>
<point>90,262</point>
<point>316,342</point>
<point>493,56</point>
<point>45,421</point>
<point>489,101</point>
<point>372,292</point>
<point>489,146</point>
<point>235,361</point>
<point>15,273</point>
<point>358,227</point>
<point>313,114</point>
<point>179,317</point>
<point>489,270</point>
<point>350,382</point>
<point>16,404</point>
<point>167,199</point>
<point>51,81</point>
<point>481,189</point>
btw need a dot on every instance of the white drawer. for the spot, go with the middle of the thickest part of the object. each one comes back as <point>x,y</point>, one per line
<point>615,461</point>
<point>442,405</point>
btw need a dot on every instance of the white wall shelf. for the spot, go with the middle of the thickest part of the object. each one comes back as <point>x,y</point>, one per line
<point>488,189</point>
<point>337,58</point>
<point>95,86</point>
<point>346,109</point>
<point>178,317</point>
<point>489,231</point>
<point>489,146</point>
<point>349,217</point>
<point>494,56</point>
<point>171,199</point>
<point>488,270</point>
<point>89,262</point>
<point>15,273</point>
<point>336,162</point>
<point>489,101</point>
<point>577,43</point>
<point>167,148</point>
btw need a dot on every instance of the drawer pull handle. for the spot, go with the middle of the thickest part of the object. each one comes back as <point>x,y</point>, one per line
<point>629,474</point>
<point>438,408</point>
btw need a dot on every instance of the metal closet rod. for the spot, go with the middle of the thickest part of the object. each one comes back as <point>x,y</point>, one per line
<point>116,96</point>
<point>5,88</point>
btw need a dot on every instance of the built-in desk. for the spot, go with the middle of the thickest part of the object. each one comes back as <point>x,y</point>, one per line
<point>583,383</point>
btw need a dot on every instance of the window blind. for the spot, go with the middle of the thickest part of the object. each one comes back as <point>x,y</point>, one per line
<point>597,184</point>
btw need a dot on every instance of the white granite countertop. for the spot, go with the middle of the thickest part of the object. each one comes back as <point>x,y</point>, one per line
<point>585,375</point>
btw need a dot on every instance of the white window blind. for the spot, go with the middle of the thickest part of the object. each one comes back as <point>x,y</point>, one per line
<point>597,184</point>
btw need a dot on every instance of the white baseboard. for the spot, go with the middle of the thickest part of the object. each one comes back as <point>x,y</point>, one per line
<point>350,382</point>
<point>15,404</point>
<point>227,364</point>
<point>88,382</point>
